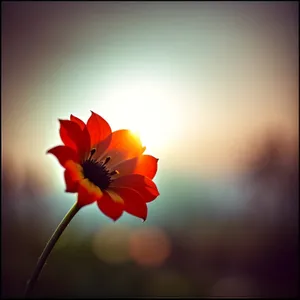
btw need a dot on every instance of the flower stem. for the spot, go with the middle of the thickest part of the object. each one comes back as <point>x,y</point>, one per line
<point>47,250</point>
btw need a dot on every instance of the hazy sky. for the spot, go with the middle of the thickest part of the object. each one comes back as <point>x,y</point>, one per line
<point>197,80</point>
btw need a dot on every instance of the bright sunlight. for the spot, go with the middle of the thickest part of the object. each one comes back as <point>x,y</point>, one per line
<point>147,108</point>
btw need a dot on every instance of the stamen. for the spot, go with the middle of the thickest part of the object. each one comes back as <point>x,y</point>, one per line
<point>107,159</point>
<point>115,172</point>
<point>92,153</point>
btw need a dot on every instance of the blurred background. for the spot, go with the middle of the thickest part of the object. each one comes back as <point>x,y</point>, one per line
<point>212,89</point>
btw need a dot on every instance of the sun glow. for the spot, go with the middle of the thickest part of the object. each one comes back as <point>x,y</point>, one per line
<point>148,109</point>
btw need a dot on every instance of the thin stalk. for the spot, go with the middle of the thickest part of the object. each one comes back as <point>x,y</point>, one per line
<point>47,250</point>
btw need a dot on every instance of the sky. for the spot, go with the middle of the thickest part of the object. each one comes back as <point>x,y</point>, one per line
<point>198,81</point>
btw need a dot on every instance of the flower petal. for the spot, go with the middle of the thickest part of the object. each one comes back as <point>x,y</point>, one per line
<point>141,184</point>
<point>124,145</point>
<point>75,171</point>
<point>69,133</point>
<point>98,128</point>
<point>72,136</point>
<point>88,192</point>
<point>145,165</point>
<point>71,186</point>
<point>78,121</point>
<point>134,203</point>
<point>111,204</point>
<point>63,154</point>
<point>101,147</point>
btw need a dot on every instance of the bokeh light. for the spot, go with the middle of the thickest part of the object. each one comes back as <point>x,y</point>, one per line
<point>149,246</point>
<point>110,244</point>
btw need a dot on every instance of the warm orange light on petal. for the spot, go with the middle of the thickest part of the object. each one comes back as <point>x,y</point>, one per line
<point>88,192</point>
<point>75,171</point>
<point>98,128</point>
<point>71,186</point>
<point>78,121</point>
<point>145,165</point>
<point>111,204</point>
<point>134,203</point>
<point>63,154</point>
<point>141,184</point>
<point>124,145</point>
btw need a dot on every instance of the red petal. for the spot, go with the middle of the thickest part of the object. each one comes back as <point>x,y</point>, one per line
<point>111,205</point>
<point>63,154</point>
<point>69,133</point>
<point>134,203</point>
<point>141,184</point>
<point>75,171</point>
<point>71,186</point>
<point>145,165</point>
<point>101,147</point>
<point>98,128</point>
<point>72,136</point>
<point>77,121</point>
<point>88,192</point>
<point>85,147</point>
<point>124,145</point>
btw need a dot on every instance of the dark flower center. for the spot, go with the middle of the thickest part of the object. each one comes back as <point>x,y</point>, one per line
<point>97,172</point>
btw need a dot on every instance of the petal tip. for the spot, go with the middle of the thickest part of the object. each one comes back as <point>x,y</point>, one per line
<point>50,151</point>
<point>61,122</point>
<point>69,191</point>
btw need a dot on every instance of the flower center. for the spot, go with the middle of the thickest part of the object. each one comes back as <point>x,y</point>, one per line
<point>96,171</point>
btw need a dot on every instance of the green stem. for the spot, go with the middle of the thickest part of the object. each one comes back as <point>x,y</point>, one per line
<point>51,243</point>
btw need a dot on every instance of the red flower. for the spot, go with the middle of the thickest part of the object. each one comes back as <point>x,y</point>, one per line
<point>107,167</point>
